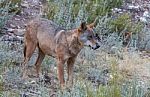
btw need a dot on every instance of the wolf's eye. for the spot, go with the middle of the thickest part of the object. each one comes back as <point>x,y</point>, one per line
<point>89,37</point>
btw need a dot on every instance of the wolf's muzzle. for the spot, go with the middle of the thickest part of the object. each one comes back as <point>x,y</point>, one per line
<point>96,47</point>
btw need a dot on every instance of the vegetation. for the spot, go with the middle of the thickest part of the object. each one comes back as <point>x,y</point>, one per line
<point>107,72</point>
<point>8,8</point>
<point>77,8</point>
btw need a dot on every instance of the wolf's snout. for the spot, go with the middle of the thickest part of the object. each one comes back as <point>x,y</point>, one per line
<point>96,47</point>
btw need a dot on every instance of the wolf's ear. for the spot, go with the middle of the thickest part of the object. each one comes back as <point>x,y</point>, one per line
<point>83,26</point>
<point>93,24</point>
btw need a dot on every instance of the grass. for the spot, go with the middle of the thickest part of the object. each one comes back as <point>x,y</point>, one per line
<point>97,73</point>
<point>124,79</point>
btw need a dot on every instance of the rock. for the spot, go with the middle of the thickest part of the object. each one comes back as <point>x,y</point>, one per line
<point>17,19</point>
<point>25,4</point>
<point>13,26</point>
<point>19,32</point>
<point>12,38</point>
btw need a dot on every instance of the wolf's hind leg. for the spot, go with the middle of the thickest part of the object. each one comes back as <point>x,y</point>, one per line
<point>39,60</point>
<point>28,51</point>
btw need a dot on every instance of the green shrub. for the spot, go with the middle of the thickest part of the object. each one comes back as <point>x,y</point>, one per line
<point>8,8</point>
<point>71,8</point>
<point>14,5</point>
<point>124,22</point>
<point>121,22</point>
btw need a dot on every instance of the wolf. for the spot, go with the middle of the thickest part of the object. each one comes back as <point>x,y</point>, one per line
<point>55,41</point>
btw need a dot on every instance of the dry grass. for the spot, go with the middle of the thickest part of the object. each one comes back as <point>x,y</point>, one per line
<point>135,65</point>
<point>97,74</point>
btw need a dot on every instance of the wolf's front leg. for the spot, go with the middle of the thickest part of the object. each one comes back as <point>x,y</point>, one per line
<point>70,64</point>
<point>60,70</point>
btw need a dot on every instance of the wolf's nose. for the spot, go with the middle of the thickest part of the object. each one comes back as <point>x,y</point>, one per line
<point>97,45</point>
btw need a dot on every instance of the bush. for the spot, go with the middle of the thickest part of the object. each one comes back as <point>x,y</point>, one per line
<point>72,8</point>
<point>121,22</point>
<point>143,39</point>
<point>8,8</point>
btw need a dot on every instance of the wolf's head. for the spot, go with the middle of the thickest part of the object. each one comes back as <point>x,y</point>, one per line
<point>87,35</point>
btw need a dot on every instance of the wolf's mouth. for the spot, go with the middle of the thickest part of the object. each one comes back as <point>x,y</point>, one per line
<point>94,48</point>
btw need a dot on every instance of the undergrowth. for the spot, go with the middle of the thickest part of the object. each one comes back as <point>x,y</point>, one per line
<point>117,84</point>
<point>8,8</point>
<point>97,73</point>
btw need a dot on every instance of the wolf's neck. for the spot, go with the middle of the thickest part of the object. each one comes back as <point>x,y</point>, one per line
<point>75,45</point>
